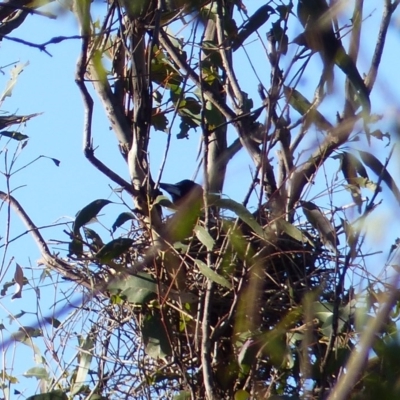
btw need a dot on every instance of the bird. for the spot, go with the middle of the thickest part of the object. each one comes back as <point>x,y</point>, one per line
<point>320,37</point>
<point>319,222</point>
<point>182,190</point>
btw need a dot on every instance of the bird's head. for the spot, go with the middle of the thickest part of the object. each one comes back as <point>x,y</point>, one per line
<point>182,190</point>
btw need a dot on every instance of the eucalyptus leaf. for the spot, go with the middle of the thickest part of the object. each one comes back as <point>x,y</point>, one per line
<point>212,275</point>
<point>88,213</point>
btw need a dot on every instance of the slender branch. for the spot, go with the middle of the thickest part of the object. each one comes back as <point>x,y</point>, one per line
<point>388,10</point>
<point>51,261</point>
<point>227,64</point>
<point>88,106</point>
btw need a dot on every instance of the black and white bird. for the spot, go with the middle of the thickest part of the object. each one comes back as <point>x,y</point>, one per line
<point>182,190</point>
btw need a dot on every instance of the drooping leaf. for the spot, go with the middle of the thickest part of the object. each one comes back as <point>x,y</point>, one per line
<point>156,339</point>
<point>212,275</point>
<point>305,107</point>
<point>243,213</point>
<point>85,358</point>
<point>88,213</point>
<point>97,242</point>
<point>8,120</point>
<point>121,219</point>
<point>114,249</point>
<point>204,236</point>
<point>292,231</point>
<point>379,169</point>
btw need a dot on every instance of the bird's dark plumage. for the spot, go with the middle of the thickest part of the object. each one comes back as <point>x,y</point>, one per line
<point>182,189</point>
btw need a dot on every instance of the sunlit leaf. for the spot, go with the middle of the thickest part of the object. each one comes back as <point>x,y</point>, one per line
<point>204,237</point>
<point>13,80</point>
<point>37,372</point>
<point>212,275</point>
<point>243,213</point>
<point>137,289</point>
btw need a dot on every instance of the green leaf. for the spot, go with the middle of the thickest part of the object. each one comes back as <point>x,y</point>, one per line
<point>85,359</point>
<point>137,289</point>
<point>156,339</point>
<point>75,247</point>
<point>37,372</point>
<point>53,395</point>
<point>379,169</point>
<point>163,201</point>
<point>243,213</point>
<point>159,121</point>
<point>94,237</point>
<point>305,107</point>
<point>242,395</point>
<point>212,275</point>
<point>204,237</point>
<point>183,395</point>
<point>212,53</point>
<point>292,231</point>
<point>88,213</point>
<point>14,135</point>
<point>213,116</point>
<point>114,249</point>
<point>164,73</point>
<point>121,219</point>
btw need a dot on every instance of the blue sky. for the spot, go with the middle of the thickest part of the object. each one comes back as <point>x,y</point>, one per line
<point>50,193</point>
